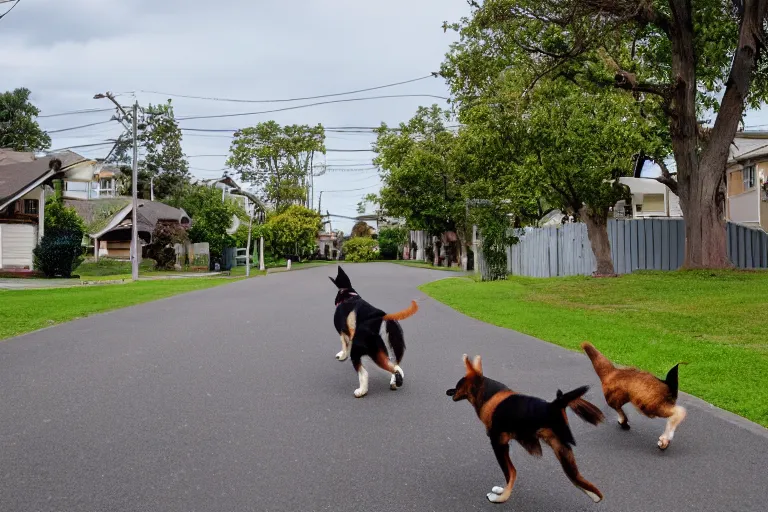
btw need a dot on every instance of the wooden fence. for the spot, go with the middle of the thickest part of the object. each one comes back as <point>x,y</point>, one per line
<point>636,244</point>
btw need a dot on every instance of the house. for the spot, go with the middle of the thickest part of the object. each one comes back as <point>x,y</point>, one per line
<point>746,180</point>
<point>23,183</point>
<point>229,190</point>
<point>110,221</point>
<point>649,199</point>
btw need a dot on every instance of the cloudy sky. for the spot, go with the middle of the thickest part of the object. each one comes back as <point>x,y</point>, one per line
<point>67,51</point>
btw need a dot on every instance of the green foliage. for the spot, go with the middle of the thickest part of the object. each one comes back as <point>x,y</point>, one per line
<point>277,159</point>
<point>418,179</point>
<point>360,249</point>
<point>294,231</point>
<point>59,253</point>
<point>391,241</point>
<point>362,229</point>
<point>211,217</point>
<point>62,218</point>
<point>18,125</point>
<point>495,233</point>
<point>165,166</point>
<point>164,237</point>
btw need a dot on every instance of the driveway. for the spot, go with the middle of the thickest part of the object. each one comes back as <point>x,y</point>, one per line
<point>230,399</point>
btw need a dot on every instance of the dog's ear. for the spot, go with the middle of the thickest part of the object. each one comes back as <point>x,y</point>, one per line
<point>333,281</point>
<point>478,365</point>
<point>342,280</point>
<point>468,364</point>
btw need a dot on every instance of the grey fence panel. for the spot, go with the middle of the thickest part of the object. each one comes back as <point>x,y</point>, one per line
<point>636,244</point>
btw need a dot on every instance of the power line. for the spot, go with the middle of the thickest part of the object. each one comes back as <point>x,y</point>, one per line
<point>76,112</point>
<point>9,10</point>
<point>347,100</point>
<point>327,151</point>
<point>83,146</point>
<point>350,190</point>
<point>291,99</point>
<point>79,127</point>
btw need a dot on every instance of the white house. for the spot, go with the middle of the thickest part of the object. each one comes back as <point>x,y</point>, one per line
<point>747,174</point>
<point>651,199</point>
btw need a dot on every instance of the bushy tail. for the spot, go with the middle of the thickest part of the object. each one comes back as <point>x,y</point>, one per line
<point>583,409</point>
<point>671,381</point>
<point>601,364</point>
<point>559,423</point>
<point>402,315</point>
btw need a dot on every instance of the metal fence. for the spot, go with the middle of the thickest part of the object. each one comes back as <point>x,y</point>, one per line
<point>636,244</point>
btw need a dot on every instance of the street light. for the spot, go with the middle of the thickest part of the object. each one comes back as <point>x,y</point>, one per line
<point>134,181</point>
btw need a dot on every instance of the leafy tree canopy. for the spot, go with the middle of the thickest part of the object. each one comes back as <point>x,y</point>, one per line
<point>18,125</point>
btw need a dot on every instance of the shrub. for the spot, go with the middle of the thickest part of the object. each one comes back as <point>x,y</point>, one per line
<point>165,235</point>
<point>62,218</point>
<point>361,249</point>
<point>59,253</point>
<point>390,241</point>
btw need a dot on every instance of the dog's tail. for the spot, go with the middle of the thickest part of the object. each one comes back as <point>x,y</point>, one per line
<point>402,315</point>
<point>583,409</point>
<point>559,421</point>
<point>671,381</point>
<point>601,363</point>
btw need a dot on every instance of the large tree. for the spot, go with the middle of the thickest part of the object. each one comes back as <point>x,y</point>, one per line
<point>277,159</point>
<point>693,56</point>
<point>574,148</point>
<point>164,169</point>
<point>18,125</point>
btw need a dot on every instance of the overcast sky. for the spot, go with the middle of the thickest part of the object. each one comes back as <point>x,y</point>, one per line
<point>66,51</point>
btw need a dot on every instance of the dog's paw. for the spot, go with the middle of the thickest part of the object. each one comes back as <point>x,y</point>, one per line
<point>594,497</point>
<point>341,356</point>
<point>399,376</point>
<point>359,392</point>
<point>497,490</point>
<point>393,383</point>
<point>494,498</point>
<point>663,443</point>
<point>624,426</point>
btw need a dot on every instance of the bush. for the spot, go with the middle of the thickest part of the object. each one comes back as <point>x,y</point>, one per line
<point>62,218</point>
<point>390,241</point>
<point>361,249</point>
<point>59,253</point>
<point>161,249</point>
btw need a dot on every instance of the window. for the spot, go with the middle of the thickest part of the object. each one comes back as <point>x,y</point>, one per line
<point>30,207</point>
<point>748,177</point>
<point>653,202</point>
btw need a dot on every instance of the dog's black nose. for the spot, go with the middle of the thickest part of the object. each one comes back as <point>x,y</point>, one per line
<point>450,392</point>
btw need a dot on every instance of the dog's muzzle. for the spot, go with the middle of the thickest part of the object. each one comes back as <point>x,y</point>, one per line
<point>451,392</point>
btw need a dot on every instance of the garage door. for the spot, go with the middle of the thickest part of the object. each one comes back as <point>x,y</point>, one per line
<point>16,244</point>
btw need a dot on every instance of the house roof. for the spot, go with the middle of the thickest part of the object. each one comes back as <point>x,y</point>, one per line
<point>748,145</point>
<point>104,215</point>
<point>16,178</point>
<point>9,156</point>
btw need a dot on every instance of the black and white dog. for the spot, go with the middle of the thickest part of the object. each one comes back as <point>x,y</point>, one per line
<point>368,331</point>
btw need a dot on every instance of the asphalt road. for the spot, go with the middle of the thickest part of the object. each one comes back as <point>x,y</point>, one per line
<point>230,399</point>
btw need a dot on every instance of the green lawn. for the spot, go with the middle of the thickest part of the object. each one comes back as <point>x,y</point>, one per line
<point>23,311</point>
<point>421,264</point>
<point>716,321</point>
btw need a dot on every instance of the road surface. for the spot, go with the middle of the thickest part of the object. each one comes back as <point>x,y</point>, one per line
<point>230,399</point>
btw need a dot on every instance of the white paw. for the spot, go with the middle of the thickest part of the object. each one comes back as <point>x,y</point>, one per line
<point>663,443</point>
<point>341,356</point>
<point>494,498</point>
<point>497,490</point>
<point>400,371</point>
<point>360,392</point>
<point>393,383</point>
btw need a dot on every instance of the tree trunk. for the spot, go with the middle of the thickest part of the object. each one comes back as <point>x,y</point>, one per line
<point>597,229</point>
<point>703,204</point>
<point>436,250</point>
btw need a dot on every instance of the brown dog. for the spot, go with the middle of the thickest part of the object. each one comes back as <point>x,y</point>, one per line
<point>528,420</point>
<point>653,397</point>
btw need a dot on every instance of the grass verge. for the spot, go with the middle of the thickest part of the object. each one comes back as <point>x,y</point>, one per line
<point>421,264</point>
<point>22,311</point>
<point>713,320</point>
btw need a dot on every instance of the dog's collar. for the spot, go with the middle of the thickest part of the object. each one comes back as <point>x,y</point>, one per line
<point>351,295</point>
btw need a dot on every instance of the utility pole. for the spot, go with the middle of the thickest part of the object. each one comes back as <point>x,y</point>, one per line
<point>134,180</point>
<point>320,203</point>
<point>151,188</point>
<point>248,246</point>
<point>134,192</point>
